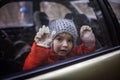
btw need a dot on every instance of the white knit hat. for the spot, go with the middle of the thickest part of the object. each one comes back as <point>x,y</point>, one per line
<point>64,25</point>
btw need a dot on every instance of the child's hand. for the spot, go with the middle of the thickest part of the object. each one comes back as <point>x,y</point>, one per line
<point>44,37</point>
<point>87,36</point>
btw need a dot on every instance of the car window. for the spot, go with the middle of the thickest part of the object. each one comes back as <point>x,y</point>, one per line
<point>84,8</point>
<point>93,19</point>
<point>16,14</point>
<point>54,10</point>
<point>115,4</point>
<point>87,14</point>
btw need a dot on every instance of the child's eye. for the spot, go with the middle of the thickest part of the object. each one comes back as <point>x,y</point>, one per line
<point>59,39</point>
<point>70,41</point>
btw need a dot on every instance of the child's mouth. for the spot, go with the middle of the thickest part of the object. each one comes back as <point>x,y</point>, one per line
<point>63,51</point>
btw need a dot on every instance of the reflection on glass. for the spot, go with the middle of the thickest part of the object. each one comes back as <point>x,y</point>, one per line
<point>54,10</point>
<point>16,14</point>
<point>84,15</point>
<point>115,4</point>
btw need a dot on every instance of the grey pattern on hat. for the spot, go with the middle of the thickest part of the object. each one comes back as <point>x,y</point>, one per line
<point>64,25</point>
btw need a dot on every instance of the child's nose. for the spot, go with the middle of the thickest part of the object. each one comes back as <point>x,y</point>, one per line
<point>65,44</point>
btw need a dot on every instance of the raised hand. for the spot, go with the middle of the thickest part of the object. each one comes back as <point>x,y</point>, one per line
<point>87,36</point>
<point>44,37</point>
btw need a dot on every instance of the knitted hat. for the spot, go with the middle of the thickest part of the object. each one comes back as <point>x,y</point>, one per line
<point>64,25</point>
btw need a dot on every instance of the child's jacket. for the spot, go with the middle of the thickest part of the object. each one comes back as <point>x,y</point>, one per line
<point>41,56</point>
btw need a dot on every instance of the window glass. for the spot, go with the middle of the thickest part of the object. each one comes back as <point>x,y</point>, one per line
<point>16,14</point>
<point>115,4</point>
<point>95,19</point>
<point>54,10</point>
<point>83,8</point>
<point>82,12</point>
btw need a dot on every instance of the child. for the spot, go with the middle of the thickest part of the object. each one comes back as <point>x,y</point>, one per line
<point>58,42</point>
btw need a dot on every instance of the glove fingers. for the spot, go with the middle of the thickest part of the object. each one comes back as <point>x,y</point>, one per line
<point>52,34</point>
<point>84,29</point>
<point>44,37</point>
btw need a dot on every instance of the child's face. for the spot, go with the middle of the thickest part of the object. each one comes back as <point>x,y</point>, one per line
<point>63,44</point>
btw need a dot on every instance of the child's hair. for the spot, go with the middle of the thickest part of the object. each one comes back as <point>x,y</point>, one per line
<point>64,25</point>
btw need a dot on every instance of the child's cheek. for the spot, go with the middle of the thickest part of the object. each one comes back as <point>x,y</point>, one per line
<point>55,46</point>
